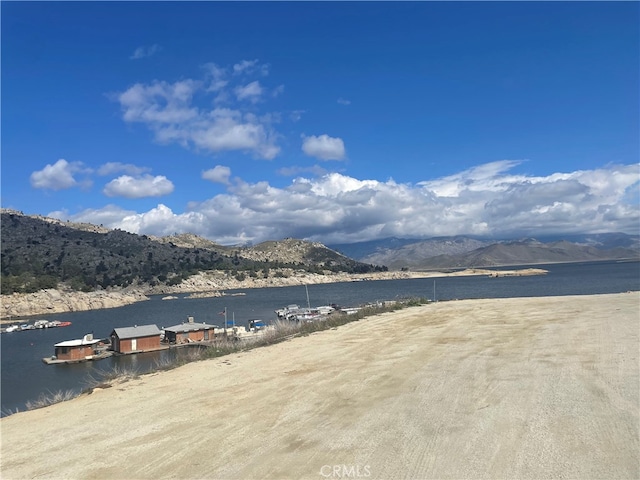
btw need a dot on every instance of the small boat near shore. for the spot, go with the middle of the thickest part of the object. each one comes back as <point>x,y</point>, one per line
<point>57,323</point>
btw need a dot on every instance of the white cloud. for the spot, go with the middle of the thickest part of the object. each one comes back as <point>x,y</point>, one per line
<point>251,92</point>
<point>483,177</point>
<point>226,129</point>
<point>142,52</point>
<point>159,103</point>
<point>110,168</point>
<point>59,176</point>
<point>109,216</point>
<point>162,221</point>
<point>217,174</point>
<point>484,200</point>
<point>343,101</point>
<point>138,187</point>
<point>170,111</point>
<point>323,147</point>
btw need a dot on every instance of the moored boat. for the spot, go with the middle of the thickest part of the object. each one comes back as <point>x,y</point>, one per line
<point>58,323</point>
<point>288,310</point>
<point>79,350</point>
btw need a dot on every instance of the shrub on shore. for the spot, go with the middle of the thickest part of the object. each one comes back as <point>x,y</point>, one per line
<point>44,400</point>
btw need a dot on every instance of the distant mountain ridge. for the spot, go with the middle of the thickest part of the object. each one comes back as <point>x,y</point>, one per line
<point>528,252</point>
<point>464,252</point>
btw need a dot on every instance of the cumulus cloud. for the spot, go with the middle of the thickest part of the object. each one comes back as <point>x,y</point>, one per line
<point>226,129</point>
<point>159,103</point>
<point>485,200</point>
<point>138,187</point>
<point>323,147</point>
<point>171,112</point>
<point>142,52</point>
<point>109,216</point>
<point>217,174</point>
<point>161,221</point>
<point>59,176</point>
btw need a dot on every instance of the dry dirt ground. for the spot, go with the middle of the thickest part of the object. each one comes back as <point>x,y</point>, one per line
<point>510,388</point>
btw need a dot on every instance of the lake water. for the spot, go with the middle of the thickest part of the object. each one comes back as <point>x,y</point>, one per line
<point>25,377</point>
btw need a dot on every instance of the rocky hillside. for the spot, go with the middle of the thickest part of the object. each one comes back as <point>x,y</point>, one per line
<point>287,251</point>
<point>296,251</point>
<point>38,253</point>
<point>190,240</point>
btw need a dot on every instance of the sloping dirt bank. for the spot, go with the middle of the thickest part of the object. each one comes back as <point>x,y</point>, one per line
<point>214,283</point>
<point>506,388</point>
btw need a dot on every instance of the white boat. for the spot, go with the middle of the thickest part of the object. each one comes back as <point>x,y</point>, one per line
<point>324,309</point>
<point>296,313</point>
<point>288,310</point>
<point>12,328</point>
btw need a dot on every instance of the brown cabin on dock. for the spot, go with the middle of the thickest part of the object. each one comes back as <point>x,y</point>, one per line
<point>139,338</point>
<point>189,332</point>
<point>76,350</point>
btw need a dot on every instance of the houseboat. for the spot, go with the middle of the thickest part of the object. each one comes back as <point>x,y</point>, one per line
<point>136,339</point>
<point>189,332</point>
<point>80,350</point>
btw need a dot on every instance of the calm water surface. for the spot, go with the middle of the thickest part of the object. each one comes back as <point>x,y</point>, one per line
<point>25,377</point>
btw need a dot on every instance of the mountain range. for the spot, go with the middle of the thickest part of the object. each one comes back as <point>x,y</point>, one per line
<point>468,251</point>
<point>40,252</point>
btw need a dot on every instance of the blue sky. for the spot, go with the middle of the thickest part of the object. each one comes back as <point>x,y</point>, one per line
<point>334,122</point>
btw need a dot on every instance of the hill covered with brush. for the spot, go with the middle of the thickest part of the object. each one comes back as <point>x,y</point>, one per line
<point>39,253</point>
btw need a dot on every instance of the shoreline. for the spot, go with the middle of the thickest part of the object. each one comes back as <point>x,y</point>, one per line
<point>19,306</point>
<point>539,387</point>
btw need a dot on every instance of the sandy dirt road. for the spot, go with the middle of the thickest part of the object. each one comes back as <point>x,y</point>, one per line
<point>526,388</point>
